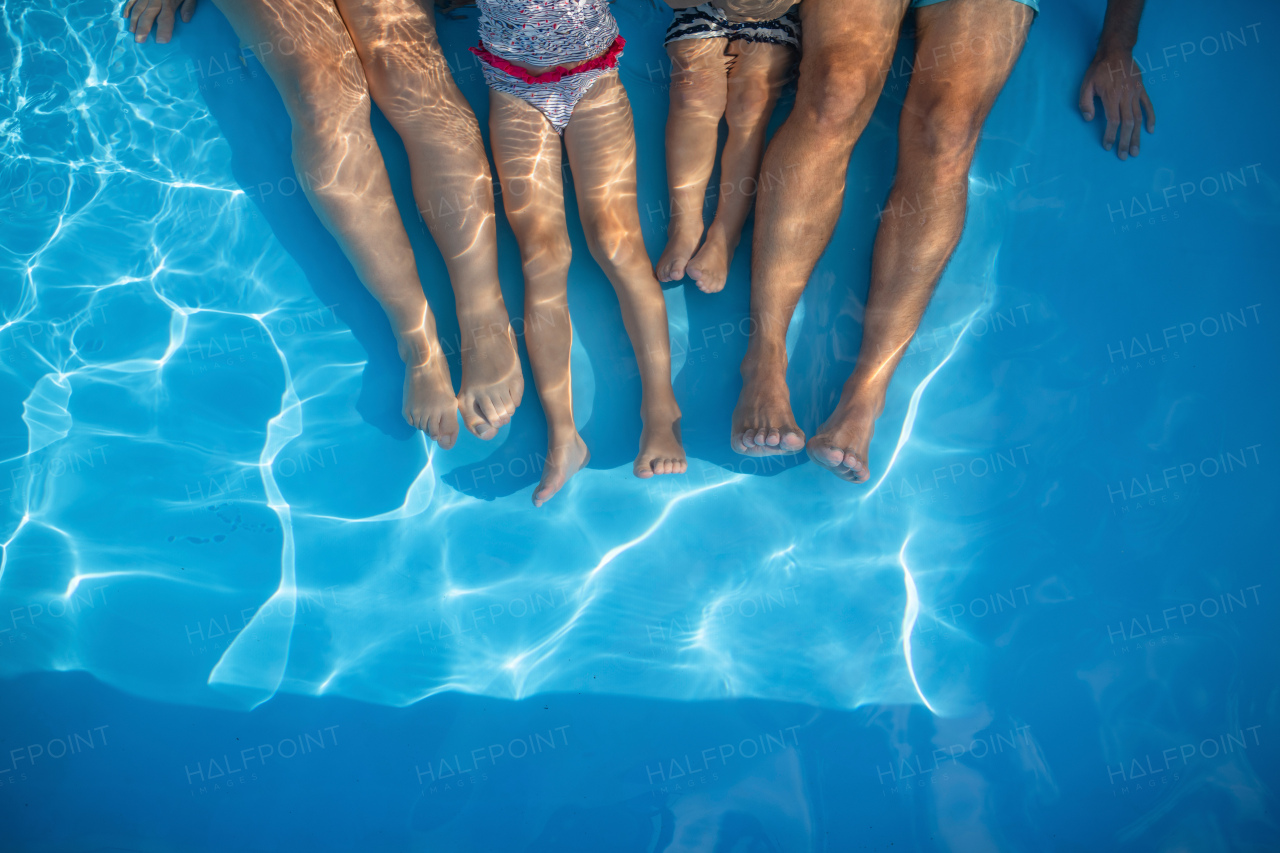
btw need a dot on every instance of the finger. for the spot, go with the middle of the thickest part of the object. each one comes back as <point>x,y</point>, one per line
<point>1086,99</point>
<point>1150,111</point>
<point>1112,110</point>
<point>1126,128</point>
<point>124,13</point>
<point>135,13</point>
<point>186,10</point>
<point>1135,142</point>
<point>146,19</point>
<point>164,29</point>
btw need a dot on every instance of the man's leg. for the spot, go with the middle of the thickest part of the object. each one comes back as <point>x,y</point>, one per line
<point>410,81</point>
<point>309,55</point>
<point>847,46</point>
<point>965,50</point>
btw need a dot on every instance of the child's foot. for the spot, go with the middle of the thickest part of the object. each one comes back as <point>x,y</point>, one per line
<point>710,267</point>
<point>682,242</point>
<point>429,404</point>
<point>564,459</point>
<point>492,384</point>
<point>660,449</point>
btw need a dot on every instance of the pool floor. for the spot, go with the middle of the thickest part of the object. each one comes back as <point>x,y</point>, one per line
<point>244,607</point>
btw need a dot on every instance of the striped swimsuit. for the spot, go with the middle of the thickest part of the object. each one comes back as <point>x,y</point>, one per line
<point>547,33</point>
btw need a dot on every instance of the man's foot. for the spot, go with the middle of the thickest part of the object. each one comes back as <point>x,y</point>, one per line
<point>492,384</point>
<point>661,451</point>
<point>564,459</point>
<point>710,267</point>
<point>682,242</point>
<point>429,403</point>
<point>763,424</point>
<point>841,443</point>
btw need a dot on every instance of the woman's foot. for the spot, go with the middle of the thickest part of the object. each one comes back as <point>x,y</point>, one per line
<point>682,241</point>
<point>429,403</point>
<point>661,451</point>
<point>841,444</point>
<point>492,384</point>
<point>710,267</point>
<point>564,459</point>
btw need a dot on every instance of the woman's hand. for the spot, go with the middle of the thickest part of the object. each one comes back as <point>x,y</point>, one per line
<point>741,11</point>
<point>143,13</point>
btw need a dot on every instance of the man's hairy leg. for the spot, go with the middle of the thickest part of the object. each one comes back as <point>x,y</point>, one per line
<point>846,50</point>
<point>964,54</point>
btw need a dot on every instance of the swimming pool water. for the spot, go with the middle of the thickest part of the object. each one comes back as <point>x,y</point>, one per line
<point>244,607</point>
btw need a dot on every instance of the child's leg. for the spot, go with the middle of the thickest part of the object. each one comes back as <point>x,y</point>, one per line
<point>527,152</point>
<point>601,142</point>
<point>699,74</point>
<point>758,72</point>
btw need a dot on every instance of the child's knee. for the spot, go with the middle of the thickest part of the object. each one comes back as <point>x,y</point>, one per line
<point>749,103</point>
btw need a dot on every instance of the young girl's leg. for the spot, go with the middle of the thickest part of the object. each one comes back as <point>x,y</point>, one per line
<point>698,85</point>
<point>601,142</point>
<point>758,71</point>
<point>527,152</point>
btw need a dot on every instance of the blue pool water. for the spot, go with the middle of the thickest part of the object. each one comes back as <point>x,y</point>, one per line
<point>243,607</point>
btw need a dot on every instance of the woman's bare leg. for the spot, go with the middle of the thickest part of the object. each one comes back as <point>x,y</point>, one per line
<point>314,65</point>
<point>699,73</point>
<point>601,142</point>
<point>526,150</point>
<point>412,85</point>
<point>756,75</point>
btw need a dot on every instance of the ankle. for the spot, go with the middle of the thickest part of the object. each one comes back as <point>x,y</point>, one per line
<point>563,438</point>
<point>685,223</point>
<point>659,407</point>
<point>862,394</point>
<point>417,349</point>
<point>764,361</point>
<point>725,234</point>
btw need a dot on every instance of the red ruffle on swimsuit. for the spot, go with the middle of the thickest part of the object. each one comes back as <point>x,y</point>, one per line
<point>608,59</point>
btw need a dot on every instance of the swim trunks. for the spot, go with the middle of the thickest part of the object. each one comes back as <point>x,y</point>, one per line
<point>1034,4</point>
<point>708,22</point>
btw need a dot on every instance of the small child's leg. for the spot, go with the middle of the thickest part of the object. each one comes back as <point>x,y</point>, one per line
<point>758,72</point>
<point>601,142</point>
<point>526,150</point>
<point>699,72</point>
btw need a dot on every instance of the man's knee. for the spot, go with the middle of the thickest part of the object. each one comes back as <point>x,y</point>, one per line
<point>945,130</point>
<point>837,91</point>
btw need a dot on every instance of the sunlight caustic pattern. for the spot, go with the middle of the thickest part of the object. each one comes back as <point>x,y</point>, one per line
<point>197,505</point>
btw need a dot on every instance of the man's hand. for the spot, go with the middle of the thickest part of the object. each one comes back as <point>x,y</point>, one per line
<point>1117,81</point>
<point>143,13</point>
<point>742,11</point>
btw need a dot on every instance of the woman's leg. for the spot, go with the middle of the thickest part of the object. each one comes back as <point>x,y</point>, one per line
<point>601,142</point>
<point>699,70</point>
<point>526,150</point>
<point>314,65</point>
<point>756,75</point>
<point>412,85</point>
